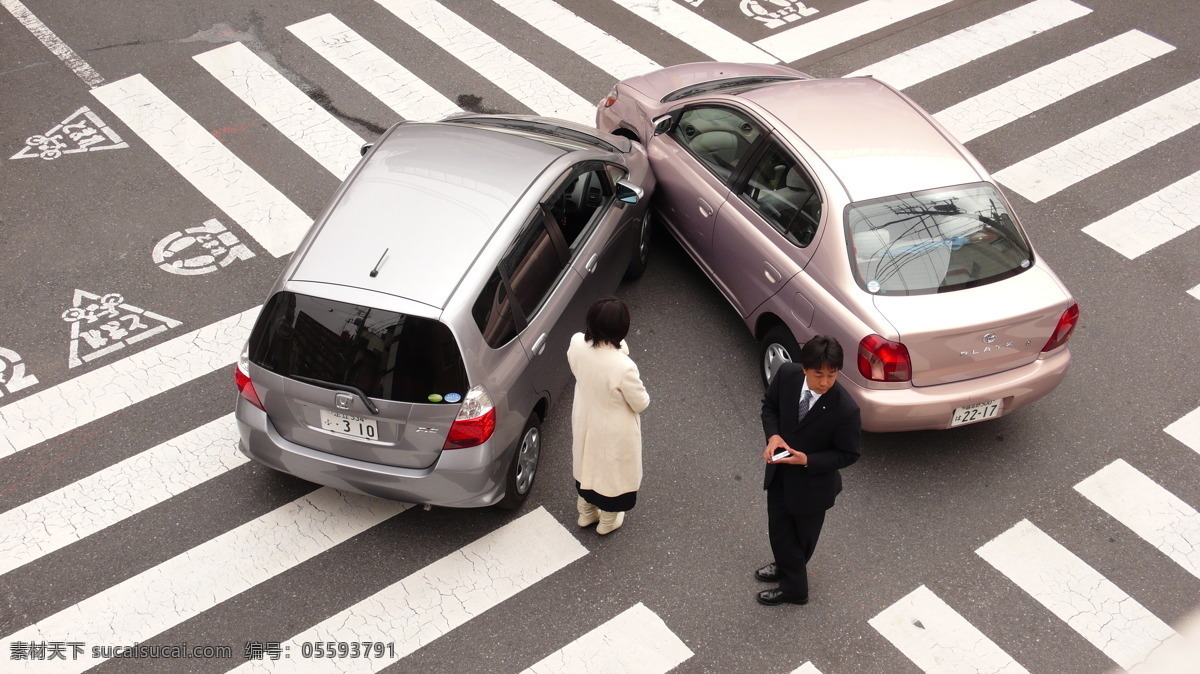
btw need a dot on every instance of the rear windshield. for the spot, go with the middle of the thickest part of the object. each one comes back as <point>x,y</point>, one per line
<point>936,241</point>
<point>388,355</point>
<point>733,85</point>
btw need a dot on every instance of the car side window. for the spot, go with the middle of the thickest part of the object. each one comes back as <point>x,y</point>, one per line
<point>779,188</point>
<point>576,205</point>
<point>532,265</point>
<point>719,137</point>
<point>493,313</point>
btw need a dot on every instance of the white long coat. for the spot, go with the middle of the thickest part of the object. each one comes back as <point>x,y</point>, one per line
<point>606,429</point>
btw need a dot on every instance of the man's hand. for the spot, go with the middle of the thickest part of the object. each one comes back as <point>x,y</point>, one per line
<point>773,446</point>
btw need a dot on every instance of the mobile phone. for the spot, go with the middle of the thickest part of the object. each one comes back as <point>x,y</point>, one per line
<point>781,454</point>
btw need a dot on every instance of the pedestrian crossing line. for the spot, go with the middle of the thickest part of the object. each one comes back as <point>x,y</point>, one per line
<point>1186,429</point>
<point>939,640</point>
<point>1049,84</point>
<point>1105,145</point>
<point>439,598</point>
<point>697,32</point>
<point>830,30</point>
<point>365,64</point>
<point>1195,292</point>
<point>1080,596</point>
<point>591,43</point>
<point>1155,514</point>
<point>806,668</point>
<point>248,199</point>
<point>973,42</point>
<point>1151,222</point>
<point>52,42</point>
<point>64,407</point>
<point>288,109</point>
<point>498,64</point>
<point>80,509</point>
<point>636,640</point>
<point>185,586</point>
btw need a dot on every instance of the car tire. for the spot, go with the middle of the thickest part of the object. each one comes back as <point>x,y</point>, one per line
<point>641,248</point>
<point>777,347</point>
<point>518,480</point>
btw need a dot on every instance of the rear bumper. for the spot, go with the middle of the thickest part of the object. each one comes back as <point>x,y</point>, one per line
<point>919,408</point>
<point>460,478</point>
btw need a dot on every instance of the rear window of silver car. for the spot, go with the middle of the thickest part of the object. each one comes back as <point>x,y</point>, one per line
<point>387,355</point>
<point>935,241</point>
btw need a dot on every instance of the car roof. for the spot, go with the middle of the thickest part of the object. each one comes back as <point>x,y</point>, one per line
<point>431,196</point>
<point>872,137</point>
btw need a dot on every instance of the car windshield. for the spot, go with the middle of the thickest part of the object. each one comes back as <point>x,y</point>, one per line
<point>385,354</point>
<point>735,85</point>
<point>936,241</point>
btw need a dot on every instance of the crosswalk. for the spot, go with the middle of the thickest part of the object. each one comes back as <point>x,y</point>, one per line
<point>447,594</point>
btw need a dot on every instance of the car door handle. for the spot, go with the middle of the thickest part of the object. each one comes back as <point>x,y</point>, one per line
<point>770,273</point>
<point>705,209</point>
<point>591,263</point>
<point>540,345</point>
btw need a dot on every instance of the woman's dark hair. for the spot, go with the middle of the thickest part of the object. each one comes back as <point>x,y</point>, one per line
<point>607,322</point>
<point>819,352</point>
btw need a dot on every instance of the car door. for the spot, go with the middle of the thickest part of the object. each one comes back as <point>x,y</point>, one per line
<point>765,229</point>
<point>694,163</point>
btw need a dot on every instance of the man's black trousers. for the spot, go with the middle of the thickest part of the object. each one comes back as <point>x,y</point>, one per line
<point>793,539</point>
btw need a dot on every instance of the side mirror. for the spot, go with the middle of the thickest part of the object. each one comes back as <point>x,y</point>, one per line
<point>366,147</point>
<point>663,124</point>
<point>628,192</point>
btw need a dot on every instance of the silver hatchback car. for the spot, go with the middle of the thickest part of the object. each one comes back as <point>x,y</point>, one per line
<point>416,339</point>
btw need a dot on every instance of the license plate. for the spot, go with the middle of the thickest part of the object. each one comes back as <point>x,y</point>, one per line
<point>977,412</point>
<point>349,424</point>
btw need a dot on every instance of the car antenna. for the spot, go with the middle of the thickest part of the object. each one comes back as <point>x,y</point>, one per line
<point>375,271</point>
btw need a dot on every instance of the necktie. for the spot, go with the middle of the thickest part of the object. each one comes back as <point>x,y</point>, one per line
<point>805,401</point>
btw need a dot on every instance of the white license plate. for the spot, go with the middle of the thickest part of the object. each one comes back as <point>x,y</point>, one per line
<point>977,412</point>
<point>349,424</point>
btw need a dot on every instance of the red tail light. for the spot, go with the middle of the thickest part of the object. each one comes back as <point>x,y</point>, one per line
<point>246,387</point>
<point>883,360</point>
<point>475,422</point>
<point>610,98</point>
<point>1066,326</point>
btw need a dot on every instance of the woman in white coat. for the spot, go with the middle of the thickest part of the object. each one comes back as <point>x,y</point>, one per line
<point>606,445</point>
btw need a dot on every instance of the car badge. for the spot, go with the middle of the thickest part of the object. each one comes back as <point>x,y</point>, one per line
<point>342,401</point>
<point>989,338</point>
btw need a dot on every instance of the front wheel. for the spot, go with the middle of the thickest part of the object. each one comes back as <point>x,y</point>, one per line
<point>519,478</point>
<point>777,347</point>
<point>641,250</point>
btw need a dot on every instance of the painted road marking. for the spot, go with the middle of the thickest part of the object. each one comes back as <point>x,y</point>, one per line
<point>592,44</point>
<point>58,47</point>
<point>1049,84</point>
<point>367,65</point>
<point>498,64</point>
<point>1144,225</point>
<point>81,131</point>
<point>636,640</point>
<point>187,585</point>
<point>1186,429</point>
<point>288,109</point>
<point>937,639</point>
<point>113,387</point>
<point>781,13</point>
<point>249,200</point>
<point>973,42</point>
<point>831,30</point>
<point>199,250</point>
<point>1105,145</point>
<point>12,372</point>
<point>696,31</point>
<point>444,595</point>
<point>1092,605</point>
<point>122,325</point>
<point>1195,292</point>
<point>1153,513</point>
<point>806,668</point>
<point>100,500</point>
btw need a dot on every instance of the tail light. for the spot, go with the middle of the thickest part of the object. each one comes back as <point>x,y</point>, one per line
<point>475,421</point>
<point>1066,326</point>
<point>241,375</point>
<point>610,98</point>
<point>880,359</point>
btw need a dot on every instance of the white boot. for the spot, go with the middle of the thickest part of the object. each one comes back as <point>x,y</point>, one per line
<point>588,513</point>
<point>610,522</point>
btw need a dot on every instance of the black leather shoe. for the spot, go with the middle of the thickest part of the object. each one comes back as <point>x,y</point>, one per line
<point>776,596</point>
<point>768,574</point>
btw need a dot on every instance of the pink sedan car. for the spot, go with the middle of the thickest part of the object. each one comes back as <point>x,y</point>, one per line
<point>840,207</point>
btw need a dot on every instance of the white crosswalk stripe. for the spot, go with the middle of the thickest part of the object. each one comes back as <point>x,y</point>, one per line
<point>636,640</point>
<point>288,109</point>
<point>364,63</point>
<point>1187,429</point>
<point>253,203</point>
<point>1149,223</point>
<point>1080,596</point>
<point>806,668</point>
<point>819,34</point>
<point>1155,514</point>
<point>696,31</point>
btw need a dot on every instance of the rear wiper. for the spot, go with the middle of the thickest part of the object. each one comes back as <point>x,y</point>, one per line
<point>340,387</point>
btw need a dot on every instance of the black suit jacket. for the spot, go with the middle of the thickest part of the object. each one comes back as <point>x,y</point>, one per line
<point>829,434</point>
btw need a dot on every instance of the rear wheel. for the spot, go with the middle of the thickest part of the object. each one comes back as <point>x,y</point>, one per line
<point>641,249</point>
<point>523,468</point>
<point>777,347</point>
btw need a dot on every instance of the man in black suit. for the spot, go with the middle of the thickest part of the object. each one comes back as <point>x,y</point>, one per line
<point>813,428</point>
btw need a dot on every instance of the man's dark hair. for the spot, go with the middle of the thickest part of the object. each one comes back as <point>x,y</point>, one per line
<point>821,351</point>
<point>607,322</point>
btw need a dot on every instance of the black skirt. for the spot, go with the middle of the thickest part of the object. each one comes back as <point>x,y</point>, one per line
<point>612,504</point>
